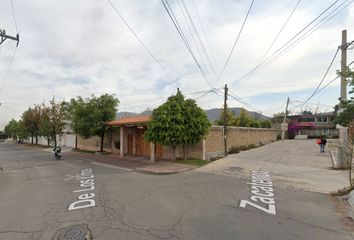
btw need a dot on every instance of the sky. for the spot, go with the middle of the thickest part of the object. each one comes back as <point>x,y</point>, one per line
<point>83,48</point>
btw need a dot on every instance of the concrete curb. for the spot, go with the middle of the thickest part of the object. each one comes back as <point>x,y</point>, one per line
<point>351,203</point>
<point>152,172</point>
<point>113,166</point>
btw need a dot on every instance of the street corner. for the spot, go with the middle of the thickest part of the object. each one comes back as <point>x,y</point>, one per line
<point>164,169</point>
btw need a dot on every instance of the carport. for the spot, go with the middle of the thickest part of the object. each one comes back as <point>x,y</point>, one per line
<point>132,142</point>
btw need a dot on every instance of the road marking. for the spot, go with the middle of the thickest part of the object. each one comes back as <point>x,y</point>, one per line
<point>87,185</point>
<point>263,193</point>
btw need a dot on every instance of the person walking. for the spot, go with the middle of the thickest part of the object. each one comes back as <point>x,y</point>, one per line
<point>323,143</point>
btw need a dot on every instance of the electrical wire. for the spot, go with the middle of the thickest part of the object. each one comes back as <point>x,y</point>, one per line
<point>184,39</point>
<point>277,36</point>
<point>323,78</point>
<point>198,37</point>
<point>189,23</point>
<point>237,38</point>
<point>286,44</point>
<point>308,32</point>
<point>321,89</point>
<point>13,14</point>
<point>139,40</point>
<point>8,70</point>
<point>205,37</point>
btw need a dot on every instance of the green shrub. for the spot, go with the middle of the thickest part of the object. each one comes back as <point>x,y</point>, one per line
<point>250,146</point>
<point>243,148</point>
<point>233,150</point>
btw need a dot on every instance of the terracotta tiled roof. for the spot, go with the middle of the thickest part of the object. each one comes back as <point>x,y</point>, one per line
<point>130,120</point>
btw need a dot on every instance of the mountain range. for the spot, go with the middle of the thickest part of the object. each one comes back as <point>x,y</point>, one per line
<point>213,114</point>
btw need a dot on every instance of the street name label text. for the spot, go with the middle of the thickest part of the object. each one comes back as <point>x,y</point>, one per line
<point>263,193</point>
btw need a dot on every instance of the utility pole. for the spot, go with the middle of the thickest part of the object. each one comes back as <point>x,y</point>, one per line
<point>3,37</point>
<point>343,69</point>
<point>284,121</point>
<point>225,119</point>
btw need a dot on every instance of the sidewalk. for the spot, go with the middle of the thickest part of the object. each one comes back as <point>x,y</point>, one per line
<point>139,164</point>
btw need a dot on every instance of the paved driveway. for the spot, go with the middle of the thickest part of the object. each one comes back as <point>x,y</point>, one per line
<point>294,163</point>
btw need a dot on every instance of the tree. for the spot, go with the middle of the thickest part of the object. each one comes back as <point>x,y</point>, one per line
<point>244,120</point>
<point>230,116</point>
<point>92,115</point>
<point>44,125</point>
<point>11,128</point>
<point>21,131</point>
<point>75,112</point>
<point>56,118</point>
<point>196,124</point>
<point>345,108</point>
<point>177,121</point>
<point>31,120</point>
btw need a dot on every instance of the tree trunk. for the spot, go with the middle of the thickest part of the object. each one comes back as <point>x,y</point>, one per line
<point>173,153</point>
<point>36,138</point>
<point>32,137</point>
<point>55,141</point>
<point>102,140</point>
<point>184,152</point>
<point>48,141</point>
<point>75,141</point>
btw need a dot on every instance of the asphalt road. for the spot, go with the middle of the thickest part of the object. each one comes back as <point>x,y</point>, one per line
<point>36,192</point>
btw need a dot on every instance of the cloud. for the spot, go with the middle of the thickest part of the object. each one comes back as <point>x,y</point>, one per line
<point>82,47</point>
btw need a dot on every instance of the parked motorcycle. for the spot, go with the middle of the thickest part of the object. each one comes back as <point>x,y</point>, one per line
<point>57,154</point>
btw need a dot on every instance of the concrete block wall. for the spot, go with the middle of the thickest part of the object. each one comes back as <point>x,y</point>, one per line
<point>193,151</point>
<point>236,136</point>
<point>94,143</point>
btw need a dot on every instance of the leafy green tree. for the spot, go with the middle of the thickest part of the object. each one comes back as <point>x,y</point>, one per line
<point>265,123</point>
<point>44,125</point>
<point>345,108</point>
<point>230,118</point>
<point>11,128</point>
<point>92,115</point>
<point>31,120</point>
<point>56,113</point>
<point>21,131</point>
<point>244,120</point>
<point>196,124</point>
<point>75,109</point>
<point>177,121</point>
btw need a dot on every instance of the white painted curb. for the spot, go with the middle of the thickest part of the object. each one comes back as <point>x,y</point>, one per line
<point>351,198</point>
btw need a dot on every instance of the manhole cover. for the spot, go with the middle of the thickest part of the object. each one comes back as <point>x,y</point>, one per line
<point>235,168</point>
<point>76,232</point>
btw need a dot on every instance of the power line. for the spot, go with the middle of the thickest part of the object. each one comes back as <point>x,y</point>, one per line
<point>323,78</point>
<point>237,38</point>
<point>188,23</point>
<point>240,100</point>
<point>184,39</point>
<point>277,36</point>
<point>286,44</point>
<point>8,69</point>
<point>199,39</point>
<point>309,32</point>
<point>321,89</point>
<point>13,14</point>
<point>139,40</point>
<point>205,36</point>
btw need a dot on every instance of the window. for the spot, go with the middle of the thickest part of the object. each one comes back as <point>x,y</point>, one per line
<point>307,119</point>
<point>322,119</point>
